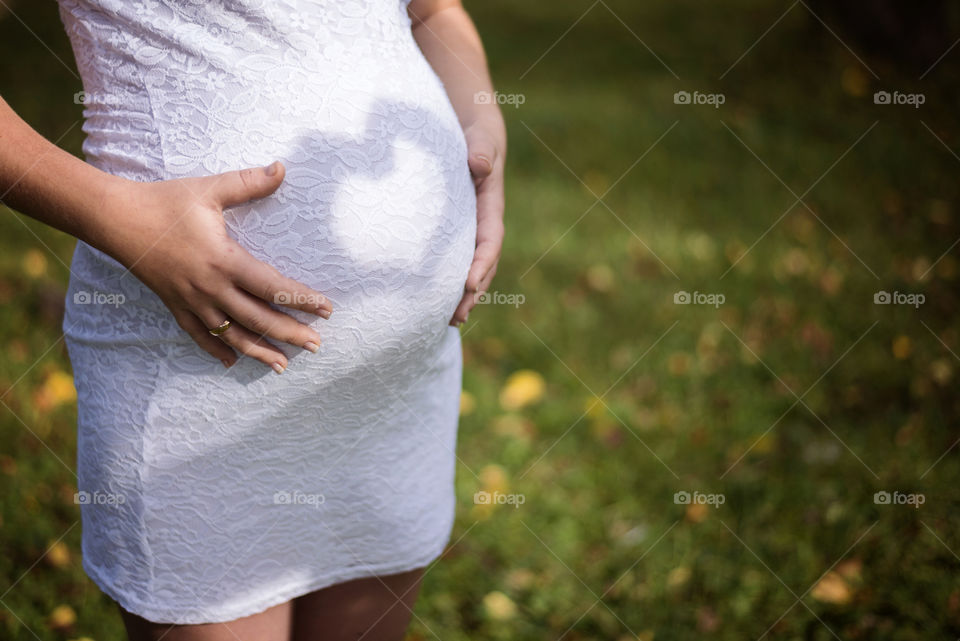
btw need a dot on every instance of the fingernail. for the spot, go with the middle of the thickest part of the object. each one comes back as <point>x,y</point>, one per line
<point>278,368</point>
<point>271,169</point>
<point>311,346</point>
<point>325,313</point>
<point>226,363</point>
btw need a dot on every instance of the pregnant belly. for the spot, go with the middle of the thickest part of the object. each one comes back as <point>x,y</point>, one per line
<point>381,219</point>
<point>377,210</point>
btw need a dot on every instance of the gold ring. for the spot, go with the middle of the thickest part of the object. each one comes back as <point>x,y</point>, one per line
<point>221,328</point>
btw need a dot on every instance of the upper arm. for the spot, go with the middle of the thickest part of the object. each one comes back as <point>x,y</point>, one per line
<point>420,10</point>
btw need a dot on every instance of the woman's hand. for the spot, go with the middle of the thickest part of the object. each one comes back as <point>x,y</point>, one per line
<point>172,236</point>
<point>451,44</point>
<point>487,154</point>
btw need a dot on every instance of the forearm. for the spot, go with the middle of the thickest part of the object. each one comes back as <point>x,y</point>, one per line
<point>451,44</point>
<point>39,179</point>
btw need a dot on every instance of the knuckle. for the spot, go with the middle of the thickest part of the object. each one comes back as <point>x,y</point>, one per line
<point>181,319</point>
<point>229,338</point>
<point>274,294</point>
<point>292,332</point>
<point>243,345</point>
<point>204,291</point>
<point>247,178</point>
<point>232,258</point>
<point>257,324</point>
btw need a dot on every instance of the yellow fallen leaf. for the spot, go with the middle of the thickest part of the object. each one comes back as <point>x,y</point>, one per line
<point>62,616</point>
<point>499,606</point>
<point>468,403</point>
<point>514,426</point>
<point>921,268</point>
<point>795,262</point>
<point>850,569</point>
<point>902,347</point>
<point>594,407</point>
<point>521,389</point>
<point>678,577</point>
<point>833,589</point>
<point>941,371</point>
<point>854,82</point>
<point>521,578</point>
<point>58,555</point>
<point>701,246</point>
<point>34,263</point>
<point>697,512</point>
<point>600,278</point>
<point>493,478</point>
<point>56,389</point>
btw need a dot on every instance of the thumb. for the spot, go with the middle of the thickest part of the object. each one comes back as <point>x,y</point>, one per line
<point>237,187</point>
<point>482,155</point>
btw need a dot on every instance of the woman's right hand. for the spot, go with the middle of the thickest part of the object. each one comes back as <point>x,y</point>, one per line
<point>172,236</point>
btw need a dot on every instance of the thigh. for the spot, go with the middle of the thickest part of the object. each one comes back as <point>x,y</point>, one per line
<point>271,625</point>
<point>374,609</point>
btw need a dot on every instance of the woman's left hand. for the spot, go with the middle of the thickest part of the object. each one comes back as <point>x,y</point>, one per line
<point>487,153</point>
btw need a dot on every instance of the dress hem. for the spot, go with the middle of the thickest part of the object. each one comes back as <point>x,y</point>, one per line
<point>256,606</point>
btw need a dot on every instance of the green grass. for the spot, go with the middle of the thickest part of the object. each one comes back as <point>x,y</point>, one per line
<point>691,388</point>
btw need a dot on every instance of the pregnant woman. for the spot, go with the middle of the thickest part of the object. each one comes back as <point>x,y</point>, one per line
<point>309,188</point>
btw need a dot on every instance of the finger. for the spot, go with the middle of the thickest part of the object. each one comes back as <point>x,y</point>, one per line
<point>210,344</point>
<point>482,154</point>
<point>266,283</point>
<point>484,258</point>
<point>263,320</point>
<point>469,300</point>
<point>488,279</point>
<point>490,232</point>
<point>244,341</point>
<point>463,309</point>
<point>490,201</point>
<point>237,187</point>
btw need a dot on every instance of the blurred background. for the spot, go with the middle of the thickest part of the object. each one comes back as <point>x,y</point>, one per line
<point>713,391</point>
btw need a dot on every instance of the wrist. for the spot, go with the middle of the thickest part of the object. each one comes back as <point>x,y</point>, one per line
<point>490,123</point>
<point>109,202</point>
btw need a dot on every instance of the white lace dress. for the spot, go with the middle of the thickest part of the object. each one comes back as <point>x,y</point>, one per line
<point>210,494</point>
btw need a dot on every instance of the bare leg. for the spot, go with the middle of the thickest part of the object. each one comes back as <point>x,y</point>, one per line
<point>372,609</point>
<point>270,625</point>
